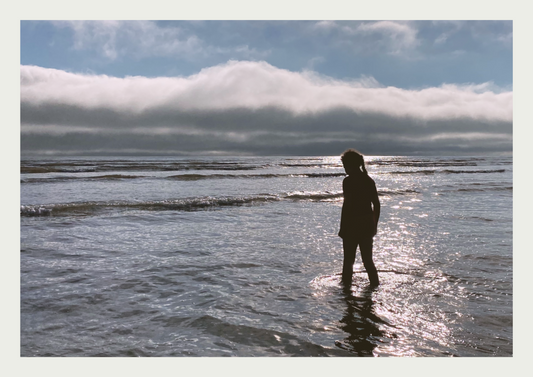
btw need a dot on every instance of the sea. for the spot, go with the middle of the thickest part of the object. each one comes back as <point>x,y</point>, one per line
<point>239,256</point>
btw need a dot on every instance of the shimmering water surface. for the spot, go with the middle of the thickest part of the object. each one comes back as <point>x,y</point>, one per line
<point>240,257</point>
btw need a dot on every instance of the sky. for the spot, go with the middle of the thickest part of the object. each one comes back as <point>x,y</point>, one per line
<point>266,87</point>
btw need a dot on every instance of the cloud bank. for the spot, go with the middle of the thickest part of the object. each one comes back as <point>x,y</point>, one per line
<point>253,107</point>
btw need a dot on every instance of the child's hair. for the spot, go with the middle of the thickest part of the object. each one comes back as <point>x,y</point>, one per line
<point>352,158</point>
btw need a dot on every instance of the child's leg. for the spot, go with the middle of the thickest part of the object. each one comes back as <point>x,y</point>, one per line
<point>365,246</point>
<point>349,247</point>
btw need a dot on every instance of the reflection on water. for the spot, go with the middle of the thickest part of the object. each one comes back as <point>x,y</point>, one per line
<point>361,323</point>
<point>403,316</point>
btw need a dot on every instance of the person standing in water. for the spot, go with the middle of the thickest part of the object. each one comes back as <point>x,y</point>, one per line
<point>360,215</point>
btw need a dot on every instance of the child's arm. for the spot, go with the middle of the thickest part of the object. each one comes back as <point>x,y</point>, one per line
<point>341,230</point>
<point>377,207</point>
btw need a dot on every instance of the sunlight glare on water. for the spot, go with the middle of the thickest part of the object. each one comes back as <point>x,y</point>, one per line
<point>240,256</point>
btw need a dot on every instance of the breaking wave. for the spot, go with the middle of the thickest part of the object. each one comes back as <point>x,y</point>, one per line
<point>190,204</point>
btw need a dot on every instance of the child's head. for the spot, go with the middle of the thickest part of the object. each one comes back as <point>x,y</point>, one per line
<point>353,161</point>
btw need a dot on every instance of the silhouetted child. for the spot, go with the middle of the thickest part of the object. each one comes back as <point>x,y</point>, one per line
<point>360,215</point>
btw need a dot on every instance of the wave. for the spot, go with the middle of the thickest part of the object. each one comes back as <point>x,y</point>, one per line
<point>425,163</point>
<point>114,165</point>
<point>398,192</point>
<point>108,177</point>
<point>191,204</point>
<point>325,196</point>
<point>166,165</point>
<point>80,166</point>
<point>505,188</point>
<point>188,204</point>
<point>311,165</point>
<point>182,177</point>
<point>473,171</point>
<point>425,172</point>
<point>198,177</point>
<point>195,177</point>
<point>446,171</point>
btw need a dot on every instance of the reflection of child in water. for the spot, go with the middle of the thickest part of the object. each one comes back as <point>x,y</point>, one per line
<point>360,215</point>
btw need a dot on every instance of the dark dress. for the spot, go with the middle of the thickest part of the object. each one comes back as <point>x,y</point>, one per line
<point>357,221</point>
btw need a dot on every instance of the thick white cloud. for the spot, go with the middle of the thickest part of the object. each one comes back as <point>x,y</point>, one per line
<point>257,85</point>
<point>254,107</point>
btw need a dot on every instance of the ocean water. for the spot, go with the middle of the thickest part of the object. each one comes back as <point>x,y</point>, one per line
<point>239,256</point>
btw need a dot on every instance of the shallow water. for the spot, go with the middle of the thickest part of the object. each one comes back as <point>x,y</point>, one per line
<point>240,257</point>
